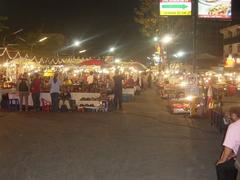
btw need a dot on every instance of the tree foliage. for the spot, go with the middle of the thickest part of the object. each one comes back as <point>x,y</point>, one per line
<point>152,24</point>
<point>3,25</point>
<point>49,47</point>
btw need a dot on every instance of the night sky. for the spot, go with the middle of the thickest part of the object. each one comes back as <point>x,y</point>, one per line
<point>105,22</point>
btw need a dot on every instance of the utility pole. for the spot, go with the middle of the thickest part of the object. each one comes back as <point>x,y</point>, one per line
<point>194,17</point>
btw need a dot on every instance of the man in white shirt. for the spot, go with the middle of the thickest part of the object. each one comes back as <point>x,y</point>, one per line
<point>225,165</point>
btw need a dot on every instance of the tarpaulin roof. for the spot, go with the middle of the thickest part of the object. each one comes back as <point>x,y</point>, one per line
<point>92,62</point>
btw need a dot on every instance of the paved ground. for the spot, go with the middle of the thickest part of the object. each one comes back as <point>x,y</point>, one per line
<point>143,142</point>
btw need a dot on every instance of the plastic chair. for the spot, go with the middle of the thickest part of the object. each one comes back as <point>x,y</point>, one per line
<point>46,105</point>
<point>13,104</point>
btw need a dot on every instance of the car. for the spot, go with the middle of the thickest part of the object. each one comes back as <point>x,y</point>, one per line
<point>179,106</point>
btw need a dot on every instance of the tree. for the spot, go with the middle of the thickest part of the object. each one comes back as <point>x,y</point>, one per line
<point>147,18</point>
<point>152,24</point>
<point>49,47</point>
<point>3,26</point>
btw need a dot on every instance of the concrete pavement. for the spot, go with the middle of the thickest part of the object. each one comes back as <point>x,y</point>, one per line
<point>143,142</point>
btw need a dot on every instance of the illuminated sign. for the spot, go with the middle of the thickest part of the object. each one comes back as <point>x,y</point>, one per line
<point>175,7</point>
<point>216,9</point>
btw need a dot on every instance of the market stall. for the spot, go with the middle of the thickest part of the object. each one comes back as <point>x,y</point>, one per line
<point>73,75</point>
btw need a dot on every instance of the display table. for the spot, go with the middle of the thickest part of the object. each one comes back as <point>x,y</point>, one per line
<point>75,96</point>
<point>88,103</point>
<point>6,91</point>
<point>129,91</point>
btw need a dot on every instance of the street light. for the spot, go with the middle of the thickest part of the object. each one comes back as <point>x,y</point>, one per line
<point>155,39</point>
<point>43,39</point>
<point>118,60</point>
<point>76,43</point>
<point>82,51</point>
<point>179,54</point>
<point>39,41</point>
<point>167,39</point>
<point>112,49</point>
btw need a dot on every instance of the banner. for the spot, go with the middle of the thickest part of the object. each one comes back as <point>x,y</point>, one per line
<point>175,7</point>
<point>215,9</point>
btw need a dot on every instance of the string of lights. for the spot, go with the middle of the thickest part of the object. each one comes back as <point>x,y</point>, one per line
<point>41,60</point>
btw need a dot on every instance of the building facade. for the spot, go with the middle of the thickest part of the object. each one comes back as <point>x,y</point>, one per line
<point>231,45</point>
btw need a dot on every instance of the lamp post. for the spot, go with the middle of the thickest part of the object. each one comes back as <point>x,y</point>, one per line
<point>42,39</point>
<point>39,41</point>
<point>75,45</point>
<point>163,42</point>
<point>112,49</point>
<point>82,51</point>
<point>167,39</point>
<point>155,39</point>
<point>111,52</point>
<point>179,54</point>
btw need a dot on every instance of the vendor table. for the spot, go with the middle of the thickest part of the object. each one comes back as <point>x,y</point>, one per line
<point>88,103</point>
<point>130,91</point>
<point>6,91</point>
<point>75,96</point>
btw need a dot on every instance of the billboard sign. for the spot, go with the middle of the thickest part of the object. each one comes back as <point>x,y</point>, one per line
<point>215,9</point>
<point>175,7</point>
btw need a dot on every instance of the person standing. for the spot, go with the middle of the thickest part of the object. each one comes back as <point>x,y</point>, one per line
<point>149,79</point>
<point>23,88</point>
<point>35,90</point>
<point>225,165</point>
<point>90,81</point>
<point>118,90</point>
<point>55,91</point>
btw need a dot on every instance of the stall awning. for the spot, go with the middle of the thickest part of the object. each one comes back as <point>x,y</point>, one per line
<point>92,62</point>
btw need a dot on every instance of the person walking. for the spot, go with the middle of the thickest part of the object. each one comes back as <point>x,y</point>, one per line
<point>23,88</point>
<point>55,91</point>
<point>118,90</point>
<point>225,166</point>
<point>35,90</point>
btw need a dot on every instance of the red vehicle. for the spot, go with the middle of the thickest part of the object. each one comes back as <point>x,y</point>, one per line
<point>180,106</point>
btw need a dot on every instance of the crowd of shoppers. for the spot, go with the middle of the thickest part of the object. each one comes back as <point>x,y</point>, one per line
<point>25,87</point>
<point>60,91</point>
